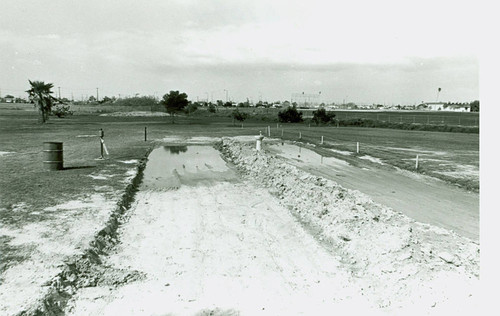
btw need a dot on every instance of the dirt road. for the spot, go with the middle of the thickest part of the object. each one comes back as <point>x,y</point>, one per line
<point>424,199</point>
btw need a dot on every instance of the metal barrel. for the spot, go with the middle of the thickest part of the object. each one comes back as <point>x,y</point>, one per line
<point>53,155</point>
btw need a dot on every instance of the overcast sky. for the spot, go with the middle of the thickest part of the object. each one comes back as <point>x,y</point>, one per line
<point>392,52</point>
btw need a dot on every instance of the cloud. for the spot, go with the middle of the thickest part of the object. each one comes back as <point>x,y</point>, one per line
<point>288,43</point>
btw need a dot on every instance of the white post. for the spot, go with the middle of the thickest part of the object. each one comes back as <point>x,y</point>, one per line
<point>321,140</point>
<point>357,147</point>
<point>300,135</point>
<point>416,163</point>
<point>269,131</point>
<point>259,139</point>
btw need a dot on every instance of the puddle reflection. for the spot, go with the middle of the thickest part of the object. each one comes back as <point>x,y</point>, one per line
<point>170,167</point>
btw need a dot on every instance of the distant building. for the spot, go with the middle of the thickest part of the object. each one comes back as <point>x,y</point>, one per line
<point>458,107</point>
<point>9,99</point>
<point>441,106</point>
<point>435,106</point>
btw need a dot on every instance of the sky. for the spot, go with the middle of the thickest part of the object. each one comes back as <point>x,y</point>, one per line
<point>385,52</point>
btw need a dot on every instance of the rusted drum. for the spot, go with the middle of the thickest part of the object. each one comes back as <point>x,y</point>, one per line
<point>53,155</point>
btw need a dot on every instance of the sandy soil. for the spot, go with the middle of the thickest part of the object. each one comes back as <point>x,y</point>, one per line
<point>279,241</point>
<point>409,265</point>
<point>205,248</point>
<point>66,231</point>
<point>46,244</point>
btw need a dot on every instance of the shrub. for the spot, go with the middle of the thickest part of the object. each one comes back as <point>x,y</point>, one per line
<point>61,110</point>
<point>290,115</point>
<point>320,116</point>
<point>211,108</point>
<point>191,107</point>
<point>137,101</point>
<point>239,116</point>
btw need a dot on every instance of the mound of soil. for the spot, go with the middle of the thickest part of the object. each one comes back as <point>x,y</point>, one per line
<point>135,114</point>
<point>403,263</point>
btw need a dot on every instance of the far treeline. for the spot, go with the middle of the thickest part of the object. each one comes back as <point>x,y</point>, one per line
<point>175,102</point>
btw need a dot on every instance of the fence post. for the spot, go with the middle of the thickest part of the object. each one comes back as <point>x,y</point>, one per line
<point>269,131</point>
<point>416,163</point>
<point>101,135</point>
<point>321,140</point>
<point>300,135</point>
<point>357,147</point>
<point>145,133</point>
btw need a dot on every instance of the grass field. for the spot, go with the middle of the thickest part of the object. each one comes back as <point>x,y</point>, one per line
<point>441,154</point>
<point>26,189</point>
<point>409,117</point>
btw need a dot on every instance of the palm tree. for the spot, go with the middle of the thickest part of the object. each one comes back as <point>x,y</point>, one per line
<point>39,94</point>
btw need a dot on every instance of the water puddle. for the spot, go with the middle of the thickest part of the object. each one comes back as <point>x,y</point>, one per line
<point>170,167</point>
<point>306,157</point>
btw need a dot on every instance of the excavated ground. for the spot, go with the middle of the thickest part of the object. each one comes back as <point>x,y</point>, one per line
<point>275,240</point>
<point>406,263</point>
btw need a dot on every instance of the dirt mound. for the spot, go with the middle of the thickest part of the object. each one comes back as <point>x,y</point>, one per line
<point>135,114</point>
<point>403,263</point>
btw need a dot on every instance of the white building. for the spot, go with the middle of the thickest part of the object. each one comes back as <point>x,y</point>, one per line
<point>441,106</point>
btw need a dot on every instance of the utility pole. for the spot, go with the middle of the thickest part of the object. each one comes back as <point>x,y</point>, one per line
<point>97,94</point>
